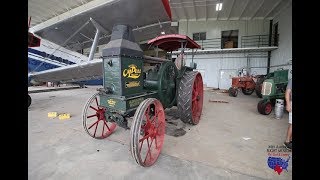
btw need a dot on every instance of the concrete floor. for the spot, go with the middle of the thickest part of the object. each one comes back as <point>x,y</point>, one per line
<point>230,142</point>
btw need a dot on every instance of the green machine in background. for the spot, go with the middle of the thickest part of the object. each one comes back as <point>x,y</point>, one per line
<point>273,87</point>
<point>140,87</point>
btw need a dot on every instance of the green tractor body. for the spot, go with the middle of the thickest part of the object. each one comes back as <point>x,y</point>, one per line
<point>273,87</point>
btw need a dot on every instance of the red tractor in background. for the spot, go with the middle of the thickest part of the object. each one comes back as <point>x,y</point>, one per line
<point>247,83</point>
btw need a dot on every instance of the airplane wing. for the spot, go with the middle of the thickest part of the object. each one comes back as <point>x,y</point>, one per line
<point>135,13</point>
<point>138,14</point>
<point>73,73</point>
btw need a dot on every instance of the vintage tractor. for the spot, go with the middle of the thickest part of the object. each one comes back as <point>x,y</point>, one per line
<point>243,81</point>
<point>142,87</point>
<point>274,87</point>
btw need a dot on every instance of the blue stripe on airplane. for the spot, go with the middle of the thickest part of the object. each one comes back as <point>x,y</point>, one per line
<point>33,64</point>
<point>52,57</point>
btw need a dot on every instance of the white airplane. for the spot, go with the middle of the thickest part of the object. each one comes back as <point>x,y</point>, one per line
<point>146,17</point>
<point>48,55</point>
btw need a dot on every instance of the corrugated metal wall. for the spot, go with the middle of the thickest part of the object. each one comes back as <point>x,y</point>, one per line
<point>218,69</point>
<point>283,54</point>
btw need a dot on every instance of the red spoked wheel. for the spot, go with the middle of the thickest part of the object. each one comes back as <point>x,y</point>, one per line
<point>147,132</point>
<point>94,119</point>
<point>190,97</point>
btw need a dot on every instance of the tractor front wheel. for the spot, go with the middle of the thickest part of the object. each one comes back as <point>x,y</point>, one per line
<point>94,120</point>
<point>233,92</point>
<point>259,106</point>
<point>264,107</point>
<point>147,132</point>
<point>258,87</point>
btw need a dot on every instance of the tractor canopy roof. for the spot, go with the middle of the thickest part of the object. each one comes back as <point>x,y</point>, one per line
<point>172,42</point>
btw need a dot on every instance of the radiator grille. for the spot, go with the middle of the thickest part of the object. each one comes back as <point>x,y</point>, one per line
<point>266,88</point>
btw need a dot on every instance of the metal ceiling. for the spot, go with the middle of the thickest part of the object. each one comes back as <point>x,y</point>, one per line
<point>56,20</point>
<point>43,10</point>
<point>231,9</point>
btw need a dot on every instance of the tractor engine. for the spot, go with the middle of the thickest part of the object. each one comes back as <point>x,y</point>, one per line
<point>122,63</point>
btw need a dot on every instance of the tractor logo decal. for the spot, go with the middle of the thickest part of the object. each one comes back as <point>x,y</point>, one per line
<point>111,102</point>
<point>132,84</point>
<point>132,72</point>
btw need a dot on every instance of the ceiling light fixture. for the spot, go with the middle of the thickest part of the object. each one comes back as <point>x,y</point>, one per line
<point>218,7</point>
<point>163,32</point>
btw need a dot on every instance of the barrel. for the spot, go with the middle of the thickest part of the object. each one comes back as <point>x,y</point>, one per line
<point>279,108</point>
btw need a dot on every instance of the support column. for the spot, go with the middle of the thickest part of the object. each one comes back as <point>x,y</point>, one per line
<point>94,45</point>
<point>269,52</point>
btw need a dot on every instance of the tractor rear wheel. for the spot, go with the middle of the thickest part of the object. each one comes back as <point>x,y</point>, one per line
<point>29,100</point>
<point>247,91</point>
<point>190,97</point>
<point>233,92</point>
<point>147,132</point>
<point>258,90</point>
<point>94,120</point>
<point>258,87</point>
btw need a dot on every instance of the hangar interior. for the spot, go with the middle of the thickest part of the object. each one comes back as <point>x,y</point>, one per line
<point>239,135</point>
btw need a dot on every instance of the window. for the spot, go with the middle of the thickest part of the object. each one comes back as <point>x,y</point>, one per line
<point>199,36</point>
<point>229,39</point>
<point>275,35</point>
